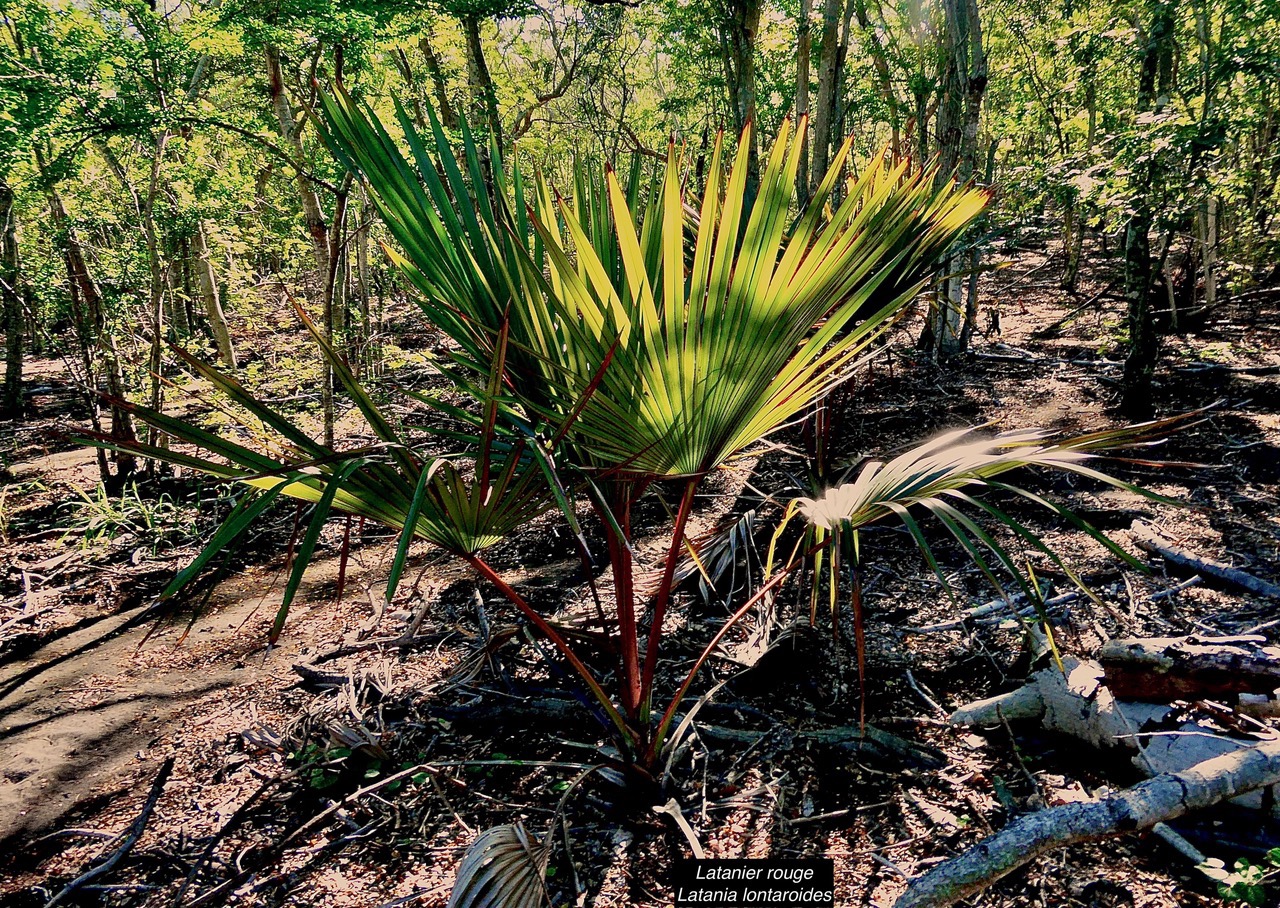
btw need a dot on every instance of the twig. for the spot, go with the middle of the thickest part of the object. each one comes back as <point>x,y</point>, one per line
<point>672,809</point>
<point>1037,800</point>
<point>130,838</point>
<point>229,885</point>
<point>924,695</point>
<point>988,610</point>
<point>235,820</point>
<point>1175,590</point>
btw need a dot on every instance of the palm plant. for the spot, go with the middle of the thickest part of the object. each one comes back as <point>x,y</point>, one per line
<point>629,335</point>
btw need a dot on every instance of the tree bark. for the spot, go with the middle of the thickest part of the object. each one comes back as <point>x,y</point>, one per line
<point>1148,540</point>
<point>959,113</point>
<point>484,99</point>
<point>312,214</point>
<point>740,31</point>
<point>11,404</point>
<point>880,60</point>
<point>1163,798</point>
<point>830,60</point>
<point>448,115</point>
<point>803,47</point>
<point>208,283</point>
<point>1164,669</point>
<point>1155,80</point>
<point>91,327</point>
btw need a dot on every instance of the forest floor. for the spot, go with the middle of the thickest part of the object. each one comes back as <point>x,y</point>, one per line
<point>271,744</point>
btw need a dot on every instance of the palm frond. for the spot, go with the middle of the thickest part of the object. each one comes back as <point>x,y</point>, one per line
<point>503,868</point>
<point>721,323</point>
<point>941,476</point>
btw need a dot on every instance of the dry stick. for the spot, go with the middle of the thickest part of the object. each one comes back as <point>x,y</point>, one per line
<point>226,887</point>
<point>234,821</point>
<point>1160,799</point>
<point>992,608</point>
<point>130,839</point>
<point>1057,326</point>
<point>1147,539</point>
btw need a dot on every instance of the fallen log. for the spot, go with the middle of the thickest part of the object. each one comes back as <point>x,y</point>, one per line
<point>1160,799</point>
<point>1162,669</point>
<point>1077,703</point>
<point>1145,538</point>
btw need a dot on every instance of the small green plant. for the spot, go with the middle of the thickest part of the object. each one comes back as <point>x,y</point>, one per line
<point>1246,882</point>
<point>98,517</point>
<point>320,767</point>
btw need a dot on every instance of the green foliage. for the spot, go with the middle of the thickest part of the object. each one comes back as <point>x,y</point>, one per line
<point>625,335</point>
<point>99,517</point>
<point>1247,882</point>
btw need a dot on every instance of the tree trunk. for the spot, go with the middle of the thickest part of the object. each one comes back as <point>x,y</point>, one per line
<point>91,326</point>
<point>448,115</point>
<point>157,286</point>
<point>208,283</point>
<point>959,113</point>
<point>312,214</point>
<point>11,404</point>
<point>176,308</point>
<point>332,324</point>
<point>1154,83</point>
<point>824,114</point>
<point>362,282</point>
<point>803,42</point>
<point>880,60</point>
<point>1209,250</point>
<point>740,31</point>
<point>484,99</point>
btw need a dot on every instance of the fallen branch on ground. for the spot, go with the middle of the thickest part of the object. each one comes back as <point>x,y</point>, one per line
<point>1158,800</point>
<point>998,608</point>
<point>1077,703</point>
<point>1161,669</point>
<point>869,742</point>
<point>131,836</point>
<point>1147,539</point>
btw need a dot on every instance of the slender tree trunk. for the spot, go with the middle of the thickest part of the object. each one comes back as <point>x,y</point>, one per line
<point>1209,250</point>
<point>11,403</point>
<point>401,60</point>
<point>880,60</point>
<point>207,281</point>
<point>1207,219</point>
<point>176,308</point>
<point>803,42</point>
<point>332,324</point>
<point>157,286</point>
<point>312,213</point>
<point>824,114</point>
<point>84,334</point>
<point>1154,83</point>
<point>448,115</point>
<point>92,329</point>
<point>362,282</point>
<point>959,113</point>
<point>484,98</point>
<point>740,31</point>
